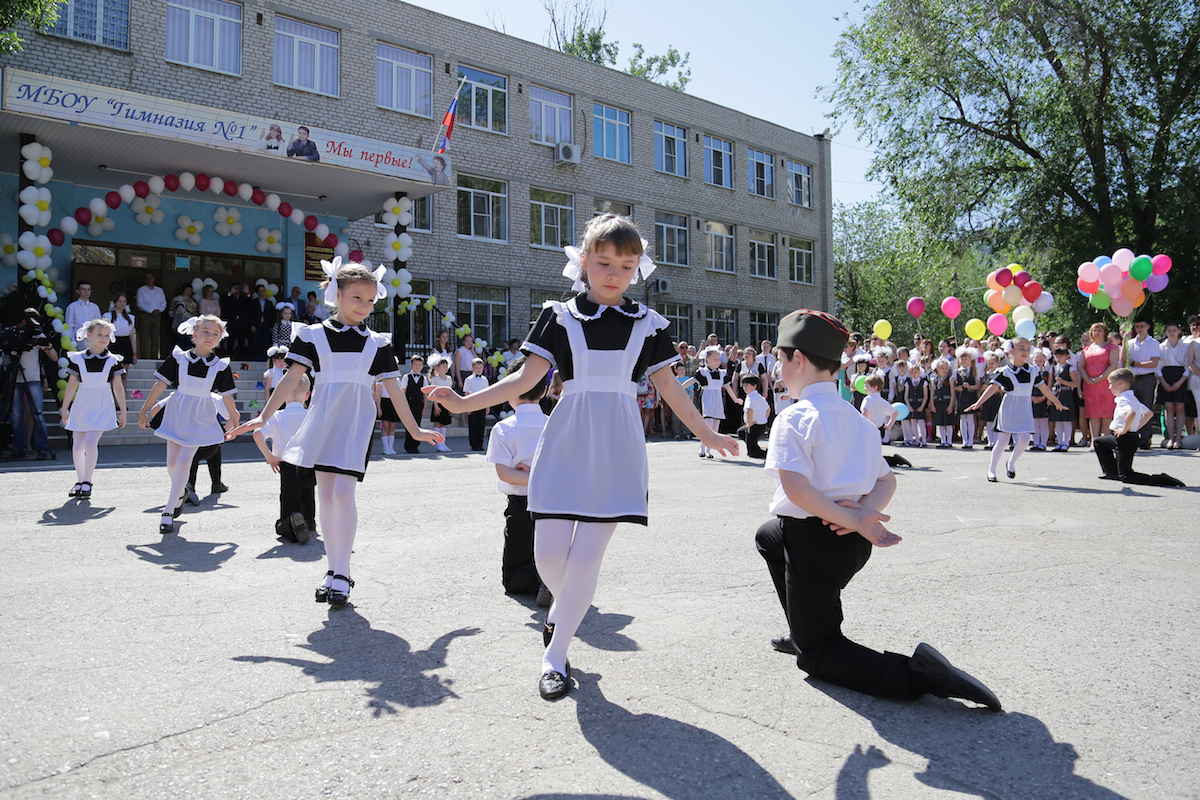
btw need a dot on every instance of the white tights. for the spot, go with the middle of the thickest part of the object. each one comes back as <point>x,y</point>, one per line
<point>84,451</point>
<point>713,424</point>
<point>1062,434</point>
<point>966,426</point>
<point>1041,431</point>
<point>179,464</point>
<point>339,523</point>
<point>1020,443</point>
<point>568,556</point>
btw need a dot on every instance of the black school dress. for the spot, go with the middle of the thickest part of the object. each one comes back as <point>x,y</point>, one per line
<point>941,394</point>
<point>1065,395</point>
<point>1040,405</point>
<point>991,406</point>
<point>966,397</point>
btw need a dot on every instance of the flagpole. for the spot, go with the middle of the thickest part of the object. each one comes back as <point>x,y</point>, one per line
<point>442,130</point>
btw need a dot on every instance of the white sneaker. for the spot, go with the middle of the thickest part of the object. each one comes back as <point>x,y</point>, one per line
<point>441,448</point>
<point>387,451</point>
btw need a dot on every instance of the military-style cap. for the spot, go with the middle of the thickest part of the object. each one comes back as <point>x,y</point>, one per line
<point>814,332</point>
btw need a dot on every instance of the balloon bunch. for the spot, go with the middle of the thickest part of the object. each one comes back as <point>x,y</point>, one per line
<point>1011,289</point>
<point>1121,283</point>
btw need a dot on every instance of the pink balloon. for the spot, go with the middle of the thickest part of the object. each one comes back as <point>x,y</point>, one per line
<point>916,306</point>
<point>1122,306</point>
<point>1004,276</point>
<point>951,307</point>
<point>997,324</point>
<point>1113,289</point>
<point>1021,278</point>
<point>1123,258</point>
<point>1089,272</point>
<point>1110,274</point>
<point>1157,282</point>
<point>1162,264</point>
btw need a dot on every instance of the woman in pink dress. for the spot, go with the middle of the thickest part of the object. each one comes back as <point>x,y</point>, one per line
<point>1099,358</point>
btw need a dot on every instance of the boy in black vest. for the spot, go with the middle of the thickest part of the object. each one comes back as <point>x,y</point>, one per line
<point>411,385</point>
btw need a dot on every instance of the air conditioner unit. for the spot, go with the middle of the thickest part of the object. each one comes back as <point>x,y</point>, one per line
<point>566,153</point>
<point>660,286</point>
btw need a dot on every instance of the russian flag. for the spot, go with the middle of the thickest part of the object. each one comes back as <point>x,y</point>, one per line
<point>448,123</point>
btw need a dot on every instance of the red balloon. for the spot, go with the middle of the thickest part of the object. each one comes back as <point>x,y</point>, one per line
<point>311,222</point>
<point>285,209</point>
<point>1021,278</point>
<point>202,182</point>
<point>171,182</point>
<point>1087,287</point>
<point>112,200</point>
<point>356,256</point>
<point>1032,290</point>
<point>258,196</point>
<point>915,306</point>
<point>56,237</point>
<point>231,188</point>
<point>82,215</point>
<point>141,189</point>
<point>1004,276</point>
<point>331,240</point>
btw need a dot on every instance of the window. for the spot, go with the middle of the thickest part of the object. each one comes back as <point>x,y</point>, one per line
<point>722,322</point>
<point>420,323</point>
<point>670,238</point>
<point>483,100</point>
<point>762,254</point>
<point>718,162</point>
<point>306,56</point>
<point>482,208</point>
<point>403,80</point>
<point>764,325</point>
<point>610,133</point>
<point>600,206</point>
<point>670,149</point>
<point>800,261</point>
<point>762,173</point>
<point>681,320</point>
<point>101,21</point>
<point>549,116</point>
<point>800,184</point>
<point>206,34</point>
<point>551,218</point>
<point>485,309</point>
<point>537,298</point>
<point>720,247</point>
<point>422,211</point>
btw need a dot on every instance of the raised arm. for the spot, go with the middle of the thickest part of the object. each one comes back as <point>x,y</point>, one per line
<point>502,391</point>
<point>406,416</point>
<point>286,387</point>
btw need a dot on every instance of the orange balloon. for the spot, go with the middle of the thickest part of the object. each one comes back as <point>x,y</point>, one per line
<point>992,283</point>
<point>994,300</point>
<point>1131,288</point>
<point>1005,308</point>
<point>1139,300</point>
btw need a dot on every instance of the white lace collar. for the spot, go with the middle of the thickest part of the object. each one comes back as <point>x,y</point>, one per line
<point>102,354</point>
<point>585,310</point>
<point>338,327</point>
<point>192,356</point>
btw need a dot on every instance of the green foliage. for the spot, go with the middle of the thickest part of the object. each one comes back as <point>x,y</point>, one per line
<point>590,46</point>
<point>655,68</point>
<point>41,14</point>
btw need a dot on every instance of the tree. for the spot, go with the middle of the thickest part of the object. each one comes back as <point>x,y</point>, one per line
<point>41,14</point>
<point>1069,122</point>
<point>655,68</point>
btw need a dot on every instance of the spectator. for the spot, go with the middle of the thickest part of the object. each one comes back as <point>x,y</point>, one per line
<point>209,303</point>
<point>28,391</point>
<point>237,314</point>
<point>81,311</point>
<point>262,317</point>
<point>513,351</point>
<point>321,311</point>
<point>183,308</point>
<point>151,302</point>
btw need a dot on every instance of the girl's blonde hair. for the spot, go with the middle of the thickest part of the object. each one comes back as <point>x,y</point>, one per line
<point>348,273</point>
<point>615,230</point>
<point>102,323</point>
<point>220,323</point>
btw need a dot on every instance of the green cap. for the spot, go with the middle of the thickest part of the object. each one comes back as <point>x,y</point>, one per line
<point>814,332</point>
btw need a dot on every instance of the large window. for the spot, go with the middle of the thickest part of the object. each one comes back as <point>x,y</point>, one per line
<point>549,116</point>
<point>422,211</point>
<point>718,162</point>
<point>551,218</point>
<point>420,323</point>
<point>762,173</point>
<point>763,325</point>
<point>538,298</point>
<point>670,149</point>
<point>483,100</point>
<point>671,238</point>
<point>101,21</point>
<point>485,309</point>
<point>610,133</point>
<point>403,80</point>
<point>800,261</point>
<point>722,322</point>
<point>601,206</point>
<point>720,247</point>
<point>762,254</point>
<point>306,56</point>
<point>799,184</point>
<point>482,208</point>
<point>206,34</point>
<point>681,320</point>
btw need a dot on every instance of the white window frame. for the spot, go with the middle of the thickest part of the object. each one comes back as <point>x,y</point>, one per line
<point>761,178</point>
<point>396,67</point>
<point>181,6</point>
<point>800,184</point>
<point>763,254</point>
<point>602,206</point>
<point>800,260</point>
<point>467,307</point>
<point>728,242</point>
<point>764,325</point>
<point>620,123</point>
<point>426,201</point>
<point>468,94</point>
<point>319,45</point>
<point>491,197</point>
<point>560,106</point>
<point>713,147</point>
<point>665,230</point>
<point>725,326</point>
<point>680,317</point>
<point>665,132</point>
<point>563,217</point>
<point>65,26</point>
<point>536,298</point>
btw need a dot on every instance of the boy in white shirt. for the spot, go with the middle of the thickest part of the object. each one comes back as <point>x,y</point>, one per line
<point>831,486</point>
<point>297,485</point>
<point>880,413</point>
<point>1115,452</point>
<point>755,412</point>
<point>81,311</point>
<point>476,382</point>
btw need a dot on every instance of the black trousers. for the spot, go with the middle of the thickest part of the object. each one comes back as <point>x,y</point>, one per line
<point>1143,389</point>
<point>475,422</point>
<point>1115,454</point>
<point>810,566</point>
<point>518,572</point>
<point>411,445</point>
<point>212,454</point>
<point>750,434</point>
<point>297,492</point>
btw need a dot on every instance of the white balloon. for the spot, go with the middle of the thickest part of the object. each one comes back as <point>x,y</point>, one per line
<point>273,202</point>
<point>42,292</point>
<point>187,181</point>
<point>342,249</point>
<point>197,285</point>
<point>405,289</point>
<point>217,186</point>
<point>405,204</point>
<point>127,193</point>
<point>32,151</point>
<point>297,216</point>
<point>98,208</point>
<point>405,253</point>
<point>52,273</point>
<point>52,296</point>
<point>404,274</point>
<point>405,239</point>
<point>183,220</point>
<point>68,225</point>
<point>58,325</point>
<point>157,185</point>
<point>321,231</point>
<point>404,218</point>
<point>245,191</point>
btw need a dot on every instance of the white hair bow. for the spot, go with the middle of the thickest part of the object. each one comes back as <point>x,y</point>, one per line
<point>188,326</point>
<point>331,269</point>
<point>82,333</point>
<point>574,267</point>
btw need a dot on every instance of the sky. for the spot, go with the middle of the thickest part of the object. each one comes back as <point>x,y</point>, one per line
<point>768,62</point>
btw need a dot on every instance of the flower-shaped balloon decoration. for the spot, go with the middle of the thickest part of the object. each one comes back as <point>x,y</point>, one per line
<point>574,267</point>
<point>331,270</point>
<point>430,303</point>
<point>228,221</point>
<point>8,250</point>
<point>269,241</point>
<point>397,212</point>
<point>398,247</point>
<point>35,206</point>
<point>147,209</point>
<point>37,163</point>
<point>188,230</point>
<point>480,344</point>
<point>34,252</point>
<point>100,221</point>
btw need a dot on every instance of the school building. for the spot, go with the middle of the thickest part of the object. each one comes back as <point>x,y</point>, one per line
<point>283,128</point>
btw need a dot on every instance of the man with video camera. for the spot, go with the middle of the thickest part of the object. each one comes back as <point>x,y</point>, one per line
<point>25,343</point>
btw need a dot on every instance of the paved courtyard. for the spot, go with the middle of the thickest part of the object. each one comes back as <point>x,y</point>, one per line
<point>198,665</point>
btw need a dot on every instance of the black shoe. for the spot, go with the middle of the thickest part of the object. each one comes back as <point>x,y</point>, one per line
<point>948,680</point>
<point>710,455</point>
<point>339,598</point>
<point>75,490</point>
<point>547,634</point>
<point>323,591</point>
<point>702,455</point>
<point>219,488</point>
<point>554,685</point>
<point>1012,473</point>
<point>1167,480</point>
<point>85,490</point>
<point>991,478</point>
<point>544,597</point>
<point>784,644</point>
<point>1110,478</point>
<point>300,532</point>
<point>988,446</point>
<point>190,496</point>
<point>45,456</point>
<point>166,527</point>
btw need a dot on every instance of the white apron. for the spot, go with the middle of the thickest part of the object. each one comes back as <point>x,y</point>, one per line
<point>189,418</point>
<point>712,404</point>
<point>1016,409</point>
<point>94,408</point>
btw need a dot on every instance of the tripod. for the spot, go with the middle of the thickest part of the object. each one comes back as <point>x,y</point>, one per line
<point>8,391</point>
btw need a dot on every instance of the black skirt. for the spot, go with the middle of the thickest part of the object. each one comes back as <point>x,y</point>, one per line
<point>439,415</point>
<point>123,346</point>
<point>1171,375</point>
<point>389,410</point>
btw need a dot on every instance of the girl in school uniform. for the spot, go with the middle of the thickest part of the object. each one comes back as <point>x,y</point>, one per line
<point>590,470</point>
<point>439,415</point>
<point>916,397</point>
<point>1015,418</point>
<point>1041,413</point>
<point>1172,383</point>
<point>124,339</point>
<point>188,421</point>
<point>385,412</point>
<point>346,359</point>
<point>941,400</point>
<point>275,373</point>
<point>712,380</point>
<point>88,408</point>
<point>281,331</point>
<point>966,388</point>
<point>1066,383</point>
<point>990,408</point>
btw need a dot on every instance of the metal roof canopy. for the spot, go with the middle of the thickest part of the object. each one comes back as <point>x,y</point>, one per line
<point>80,150</point>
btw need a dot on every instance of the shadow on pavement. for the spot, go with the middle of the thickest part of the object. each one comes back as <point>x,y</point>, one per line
<point>356,652</point>
<point>598,629</point>
<point>674,758</point>
<point>75,512</point>
<point>176,553</point>
<point>970,750</point>
<point>314,550</point>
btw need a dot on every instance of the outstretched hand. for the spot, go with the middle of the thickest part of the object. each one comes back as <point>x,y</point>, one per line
<point>445,397</point>
<point>245,427</point>
<point>725,445</point>
<point>428,436</point>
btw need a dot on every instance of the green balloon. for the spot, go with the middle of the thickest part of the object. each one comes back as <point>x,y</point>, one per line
<point>1141,268</point>
<point>1101,300</point>
<point>860,384</point>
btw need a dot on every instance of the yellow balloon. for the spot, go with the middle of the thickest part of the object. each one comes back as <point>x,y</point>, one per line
<point>975,328</point>
<point>883,329</point>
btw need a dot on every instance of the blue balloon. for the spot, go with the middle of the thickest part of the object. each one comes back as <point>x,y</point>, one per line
<point>901,410</point>
<point>1100,261</point>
